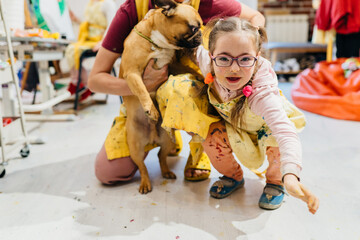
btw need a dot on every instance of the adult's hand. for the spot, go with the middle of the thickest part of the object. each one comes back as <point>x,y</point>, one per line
<point>298,190</point>
<point>252,15</point>
<point>152,77</point>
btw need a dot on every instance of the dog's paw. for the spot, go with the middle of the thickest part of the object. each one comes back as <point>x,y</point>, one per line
<point>153,114</point>
<point>145,187</point>
<point>169,175</point>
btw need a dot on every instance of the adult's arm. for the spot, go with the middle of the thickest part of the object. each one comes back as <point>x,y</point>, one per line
<point>100,79</point>
<point>210,9</point>
<point>252,15</point>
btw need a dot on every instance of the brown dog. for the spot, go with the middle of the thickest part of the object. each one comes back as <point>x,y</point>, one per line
<point>171,27</point>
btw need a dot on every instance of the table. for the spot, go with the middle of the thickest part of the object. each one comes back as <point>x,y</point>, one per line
<point>41,50</point>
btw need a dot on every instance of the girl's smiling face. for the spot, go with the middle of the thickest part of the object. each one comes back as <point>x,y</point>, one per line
<point>234,44</point>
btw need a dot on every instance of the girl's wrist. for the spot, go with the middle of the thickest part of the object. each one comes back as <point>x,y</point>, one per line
<point>289,176</point>
<point>290,168</point>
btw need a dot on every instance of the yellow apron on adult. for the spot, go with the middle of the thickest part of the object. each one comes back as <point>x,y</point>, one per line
<point>116,142</point>
<point>91,31</point>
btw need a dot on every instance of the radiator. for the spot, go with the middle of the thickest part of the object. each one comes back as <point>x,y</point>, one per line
<point>287,28</point>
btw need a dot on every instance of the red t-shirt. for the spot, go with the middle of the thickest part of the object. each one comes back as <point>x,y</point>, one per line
<point>343,15</point>
<point>126,18</point>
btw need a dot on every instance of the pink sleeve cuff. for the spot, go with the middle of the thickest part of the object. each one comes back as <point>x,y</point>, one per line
<point>290,168</point>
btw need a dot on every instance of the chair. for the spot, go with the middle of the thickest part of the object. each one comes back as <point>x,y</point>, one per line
<point>86,54</point>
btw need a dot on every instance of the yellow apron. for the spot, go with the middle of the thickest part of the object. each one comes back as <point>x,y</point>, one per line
<point>182,108</point>
<point>116,142</point>
<point>250,142</point>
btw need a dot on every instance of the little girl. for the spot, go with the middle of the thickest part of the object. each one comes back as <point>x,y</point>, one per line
<point>258,120</point>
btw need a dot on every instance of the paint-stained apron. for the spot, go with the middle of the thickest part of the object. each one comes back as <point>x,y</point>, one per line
<point>249,142</point>
<point>116,142</point>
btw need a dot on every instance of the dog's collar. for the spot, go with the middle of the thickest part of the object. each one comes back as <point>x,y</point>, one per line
<point>147,38</point>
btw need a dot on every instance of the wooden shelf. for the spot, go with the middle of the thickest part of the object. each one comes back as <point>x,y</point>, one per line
<point>272,49</point>
<point>288,73</point>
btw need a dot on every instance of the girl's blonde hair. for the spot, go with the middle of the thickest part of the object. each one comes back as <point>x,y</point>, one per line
<point>214,29</point>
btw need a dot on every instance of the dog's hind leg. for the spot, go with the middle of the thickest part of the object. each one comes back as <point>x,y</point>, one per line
<point>137,154</point>
<point>165,148</point>
<point>138,157</point>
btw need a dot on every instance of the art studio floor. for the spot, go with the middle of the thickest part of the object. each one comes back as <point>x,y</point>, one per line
<point>53,194</point>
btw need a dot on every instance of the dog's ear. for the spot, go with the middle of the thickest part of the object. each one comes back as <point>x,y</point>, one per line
<point>168,6</point>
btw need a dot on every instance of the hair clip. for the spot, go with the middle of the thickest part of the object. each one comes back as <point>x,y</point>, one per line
<point>247,90</point>
<point>209,78</point>
<point>218,21</point>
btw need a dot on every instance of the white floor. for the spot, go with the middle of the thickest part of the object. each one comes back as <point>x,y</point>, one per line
<point>53,194</point>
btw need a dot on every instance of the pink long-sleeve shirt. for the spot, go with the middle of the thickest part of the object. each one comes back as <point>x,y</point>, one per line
<point>265,101</point>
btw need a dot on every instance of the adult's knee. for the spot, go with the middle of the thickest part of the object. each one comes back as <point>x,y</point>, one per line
<point>112,171</point>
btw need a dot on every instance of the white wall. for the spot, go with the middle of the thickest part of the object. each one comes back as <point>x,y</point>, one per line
<point>78,6</point>
<point>250,3</point>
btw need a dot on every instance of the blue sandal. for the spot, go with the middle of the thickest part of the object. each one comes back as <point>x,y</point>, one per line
<point>272,196</point>
<point>225,186</point>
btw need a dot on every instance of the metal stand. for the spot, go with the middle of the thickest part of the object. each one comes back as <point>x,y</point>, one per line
<point>9,77</point>
<point>40,50</point>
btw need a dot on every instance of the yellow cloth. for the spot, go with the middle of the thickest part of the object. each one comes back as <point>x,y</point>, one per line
<point>142,7</point>
<point>323,37</point>
<point>181,109</point>
<point>195,4</point>
<point>250,142</point>
<point>202,163</point>
<point>91,32</point>
<point>115,144</point>
<point>181,106</point>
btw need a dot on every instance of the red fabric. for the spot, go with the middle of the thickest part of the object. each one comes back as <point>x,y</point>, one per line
<point>326,91</point>
<point>6,121</point>
<point>126,18</point>
<point>343,15</point>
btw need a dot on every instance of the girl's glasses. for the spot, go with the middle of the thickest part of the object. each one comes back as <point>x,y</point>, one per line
<point>226,61</point>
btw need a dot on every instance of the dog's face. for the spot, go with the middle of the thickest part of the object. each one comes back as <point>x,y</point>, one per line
<point>180,24</point>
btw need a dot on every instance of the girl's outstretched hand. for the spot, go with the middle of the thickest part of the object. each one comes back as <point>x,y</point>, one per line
<point>298,190</point>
